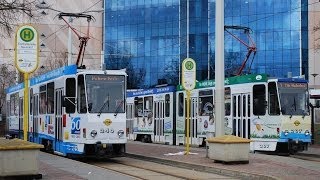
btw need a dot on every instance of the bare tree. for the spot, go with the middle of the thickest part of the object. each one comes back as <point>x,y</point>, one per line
<point>7,78</point>
<point>12,11</point>
<point>52,60</point>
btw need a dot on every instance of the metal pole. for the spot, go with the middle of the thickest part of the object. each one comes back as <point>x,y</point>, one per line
<point>69,43</point>
<point>25,107</point>
<point>188,29</point>
<point>188,122</point>
<point>219,68</point>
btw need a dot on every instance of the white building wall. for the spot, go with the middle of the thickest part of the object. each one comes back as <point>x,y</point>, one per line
<point>55,31</point>
<point>314,41</point>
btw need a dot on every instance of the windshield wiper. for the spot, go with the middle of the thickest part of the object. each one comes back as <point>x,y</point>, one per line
<point>293,107</point>
<point>106,102</point>
<point>118,108</point>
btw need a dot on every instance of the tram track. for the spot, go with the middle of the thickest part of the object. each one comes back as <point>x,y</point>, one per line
<point>146,170</point>
<point>308,157</point>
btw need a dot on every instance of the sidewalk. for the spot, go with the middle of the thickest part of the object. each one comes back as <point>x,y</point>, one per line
<point>260,166</point>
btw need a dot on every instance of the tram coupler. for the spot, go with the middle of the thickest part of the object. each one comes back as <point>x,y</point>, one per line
<point>296,146</point>
<point>99,149</point>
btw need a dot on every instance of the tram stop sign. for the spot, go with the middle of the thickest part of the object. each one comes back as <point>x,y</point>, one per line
<point>188,74</point>
<point>26,49</point>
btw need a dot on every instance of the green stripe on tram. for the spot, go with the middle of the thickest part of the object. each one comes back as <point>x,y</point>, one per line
<point>250,78</point>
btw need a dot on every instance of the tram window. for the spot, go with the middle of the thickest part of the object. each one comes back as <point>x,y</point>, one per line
<point>43,98</point>
<point>234,106</point>
<point>82,107</point>
<point>249,106</point>
<point>50,98</point>
<point>70,95</point>
<point>227,101</point>
<point>259,99</point>
<point>206,107</point>
<point>244,106</point>
<point>8,108</point>
<point>273,103</point>
<point>14,104</point>
<point>148,106</point>
<point>21,107</point>
<point>31,101</point>
<point>138,104</point>
<point>167,105</point>
<point>180,106</point>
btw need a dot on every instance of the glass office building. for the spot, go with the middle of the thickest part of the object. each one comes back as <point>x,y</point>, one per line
<point>150,38</point>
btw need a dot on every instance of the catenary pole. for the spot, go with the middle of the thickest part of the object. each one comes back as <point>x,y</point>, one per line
<point>219,68</point>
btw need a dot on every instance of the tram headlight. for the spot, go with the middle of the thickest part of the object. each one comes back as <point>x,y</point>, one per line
<point>307,133</point>
<point>120,133</point>
<point>286,132</point>
<point>93,133</point>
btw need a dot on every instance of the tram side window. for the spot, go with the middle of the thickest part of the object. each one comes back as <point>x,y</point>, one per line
<point>206,107</point>
<point>227,101</point>
<point>273,102</point>
<point>43,98</point>
<point>167,105</point>
<point>50,98</point>
<point>14,102</point>
<point>82,107</point>
<point>138,104</point>
<point>8,108</point>
<point>70,95</point>
<point>148,106</point>
<point>180,106</point>
<point>21,107</point>
<point>31,101</point>
<point>259,99</point>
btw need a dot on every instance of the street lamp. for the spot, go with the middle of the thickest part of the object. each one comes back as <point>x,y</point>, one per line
<point>314,78</point>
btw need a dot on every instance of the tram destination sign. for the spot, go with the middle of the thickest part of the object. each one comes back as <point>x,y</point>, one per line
<point>26,49</point>
<point>188,74</point>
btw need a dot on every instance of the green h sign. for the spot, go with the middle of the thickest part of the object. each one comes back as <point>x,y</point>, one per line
<point>27,34</point>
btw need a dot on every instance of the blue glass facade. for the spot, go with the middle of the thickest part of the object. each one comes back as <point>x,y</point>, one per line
<point>149,37</point>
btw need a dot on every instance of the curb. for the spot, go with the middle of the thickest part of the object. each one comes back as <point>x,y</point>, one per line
<point>221,171</point>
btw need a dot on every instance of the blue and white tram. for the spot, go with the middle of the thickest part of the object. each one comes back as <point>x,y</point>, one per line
<point>73,111</point>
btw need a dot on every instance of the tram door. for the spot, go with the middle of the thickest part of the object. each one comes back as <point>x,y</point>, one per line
<point>193,120</point>
<point>130,120</point>
<point>58,119</point>
<point>35,117</point>
<point>241,115</point>
<point>20,135</point>
<point>158,121</point>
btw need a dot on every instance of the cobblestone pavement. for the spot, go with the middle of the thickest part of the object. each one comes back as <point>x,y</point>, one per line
<point>266,166</point>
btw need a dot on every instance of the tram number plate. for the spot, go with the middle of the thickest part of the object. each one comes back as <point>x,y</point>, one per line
<point>264,146</point>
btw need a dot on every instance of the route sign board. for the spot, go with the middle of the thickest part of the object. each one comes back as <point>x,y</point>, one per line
<point>26,49</point>
<point>188,74</point>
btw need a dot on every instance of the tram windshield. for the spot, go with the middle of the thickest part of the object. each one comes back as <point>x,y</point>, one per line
<point>106,93</point>
<point>293,98</point>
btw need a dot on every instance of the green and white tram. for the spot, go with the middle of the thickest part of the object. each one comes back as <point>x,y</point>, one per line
<point>273,113</point>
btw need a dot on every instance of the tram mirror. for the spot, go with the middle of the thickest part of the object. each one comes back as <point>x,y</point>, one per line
<point>63,101</point>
